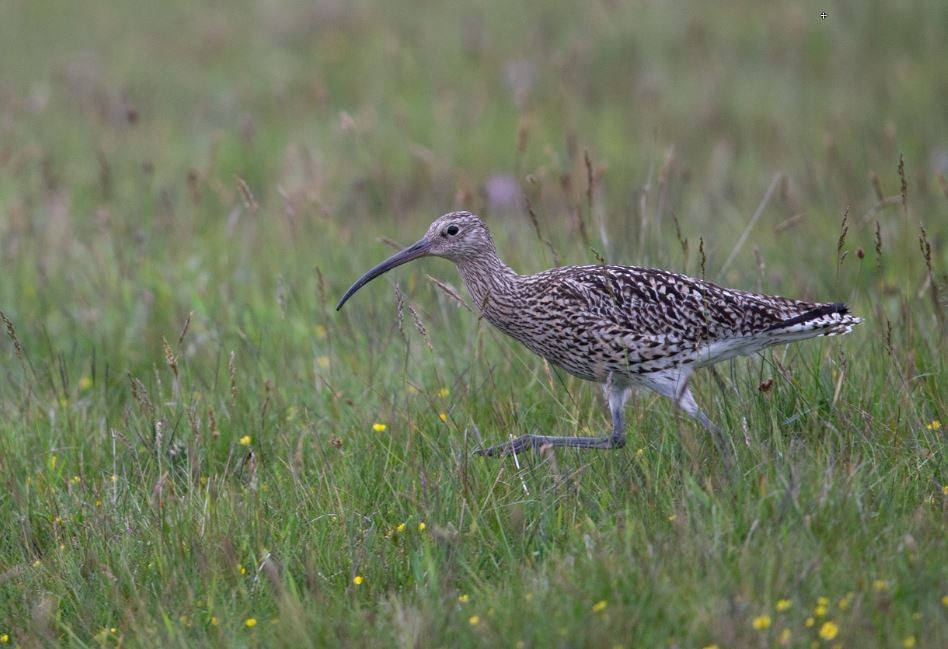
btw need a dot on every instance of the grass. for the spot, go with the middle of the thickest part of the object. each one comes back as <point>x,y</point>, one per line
<point>191,437</point>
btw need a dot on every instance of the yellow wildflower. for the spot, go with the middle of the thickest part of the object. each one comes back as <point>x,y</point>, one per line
<point>5,638</point>
<point>37,563</point>
<point>85,383</point>
<point>357,580</point>
<point>443,393</point>
<point>934,425</point>
<point>400,528</point>
<point>115,478</point>
<point>214,620</point>
<point>600,606</point>
<point>245,440</point>
<point>710,646</point>
<point>761,622</point>
<point>908,642</point>
<point>820,610</point>
<point>639,452</point>
<point>464,598</point>
<point>828,631</point>
<point>784,636</point>
<point>880,585</point>
<point>443,416</point>
<point>76,479</point>
<point>474,620</point>
<point>379,428</point>
<point>944,600</point>
<point>783,605</point>
<point>822,601</point>
<point>846,601</point>
<point>322,362</point>
<point>421,526</point>
<point>241,569</point>
<point>809,622</point>
<point>250,622</point>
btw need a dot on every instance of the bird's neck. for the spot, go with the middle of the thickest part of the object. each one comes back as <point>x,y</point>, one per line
<point>489,281</point>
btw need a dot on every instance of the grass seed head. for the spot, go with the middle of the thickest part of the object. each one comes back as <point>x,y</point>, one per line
<point>843,230</point>
<point>876,186</point>
<point>903,185</point>
<point>11,332</point>
<point>232,374</point>
<point>250,202</point>
<point>170,358</point>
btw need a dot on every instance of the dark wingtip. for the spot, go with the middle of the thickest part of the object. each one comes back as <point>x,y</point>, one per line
<point>812,314</point>
<point>839,307</point>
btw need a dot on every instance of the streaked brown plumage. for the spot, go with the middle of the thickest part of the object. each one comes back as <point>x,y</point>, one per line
<point>620,326</point>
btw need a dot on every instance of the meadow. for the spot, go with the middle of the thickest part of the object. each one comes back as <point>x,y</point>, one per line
<point>196,449</point>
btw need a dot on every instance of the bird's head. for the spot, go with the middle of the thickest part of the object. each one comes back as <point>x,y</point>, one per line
<point>456,236</point>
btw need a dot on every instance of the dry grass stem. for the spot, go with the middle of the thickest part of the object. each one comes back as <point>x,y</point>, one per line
<point>250,202</point>
<point>450,292</point>
<point>753,221</point>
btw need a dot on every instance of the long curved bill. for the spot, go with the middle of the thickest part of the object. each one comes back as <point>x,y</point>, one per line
<point>414,251</point>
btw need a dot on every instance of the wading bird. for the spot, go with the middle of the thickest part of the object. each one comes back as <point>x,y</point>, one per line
<point>619,326</point>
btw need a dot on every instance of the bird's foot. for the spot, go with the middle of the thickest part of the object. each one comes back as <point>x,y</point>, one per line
<point>538,442</point>
<point>513,447</point>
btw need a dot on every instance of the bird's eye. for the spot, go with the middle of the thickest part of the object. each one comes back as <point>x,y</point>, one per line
<point>452,230</point>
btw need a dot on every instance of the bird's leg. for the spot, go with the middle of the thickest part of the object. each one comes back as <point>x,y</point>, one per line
<point>686,401</point>
<point>675,385</point>
<point>617,399</point>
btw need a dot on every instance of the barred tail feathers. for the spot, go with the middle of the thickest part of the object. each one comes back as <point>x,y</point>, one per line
<point>824,320</point>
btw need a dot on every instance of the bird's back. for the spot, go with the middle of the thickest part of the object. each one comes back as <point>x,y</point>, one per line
<point>602,319</point>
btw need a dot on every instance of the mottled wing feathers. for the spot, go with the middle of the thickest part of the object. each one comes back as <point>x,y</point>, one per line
<point>601,321</point>
<point>651,302</point>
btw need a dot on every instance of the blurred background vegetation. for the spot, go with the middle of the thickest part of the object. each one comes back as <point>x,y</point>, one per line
<point>138,118</point>
<point>235,165</point>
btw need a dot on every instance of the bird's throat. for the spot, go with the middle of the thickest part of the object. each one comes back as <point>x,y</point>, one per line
<point>490,282</point>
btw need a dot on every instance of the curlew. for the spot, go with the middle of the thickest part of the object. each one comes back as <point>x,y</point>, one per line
<point>619,326</point>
